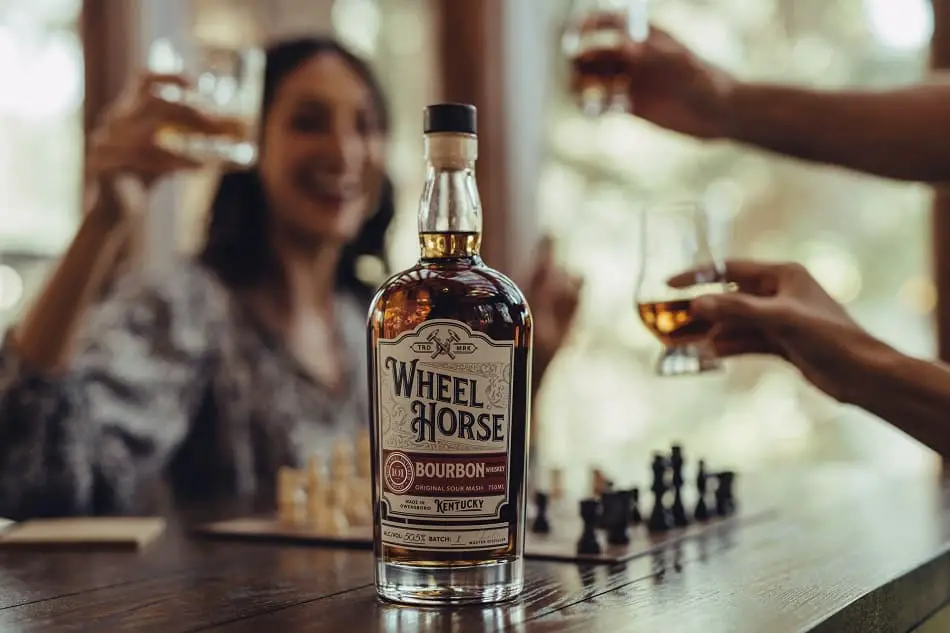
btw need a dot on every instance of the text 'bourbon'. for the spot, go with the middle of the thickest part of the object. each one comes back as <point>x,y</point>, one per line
<point>449,362</point>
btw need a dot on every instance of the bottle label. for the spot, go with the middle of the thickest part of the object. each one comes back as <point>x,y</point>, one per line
<point>444,407</point>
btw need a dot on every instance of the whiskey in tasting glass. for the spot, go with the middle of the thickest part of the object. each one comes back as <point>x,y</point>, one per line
<point>675,239</point>
<point>595,31</point>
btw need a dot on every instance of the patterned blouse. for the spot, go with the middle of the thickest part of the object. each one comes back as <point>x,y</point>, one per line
<point>172,378</point>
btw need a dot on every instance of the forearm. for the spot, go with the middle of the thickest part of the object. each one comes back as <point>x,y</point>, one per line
<point>911,394</point>
<point>901,134</point>
<point>44,338</point>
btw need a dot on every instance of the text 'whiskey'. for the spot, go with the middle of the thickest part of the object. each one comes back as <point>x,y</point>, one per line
<point>449,343</point>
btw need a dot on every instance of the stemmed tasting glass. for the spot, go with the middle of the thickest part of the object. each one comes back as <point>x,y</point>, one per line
<point>228,84</point>
<point>675,242</point>
<point>595,31</point>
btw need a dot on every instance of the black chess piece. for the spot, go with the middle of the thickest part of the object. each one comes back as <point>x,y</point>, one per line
<point>702,478</point>
<point>660,519</point>
<point>677,510</point>
<point>608,489</point>
<point>588,543</point>
<point>541,524</point>
<point>616,507</point>
<point>635,517</point>
<point>725,501</point>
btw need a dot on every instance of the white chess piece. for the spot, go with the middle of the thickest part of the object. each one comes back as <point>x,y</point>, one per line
<point>289,494</point>
<point>341,461</point>
<point>338,521</point>
<point>359,502</point>
<point>316,491</point>
<point>363,455</point>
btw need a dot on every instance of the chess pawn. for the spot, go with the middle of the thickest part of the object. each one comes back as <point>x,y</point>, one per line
<point>314,473</point>
<point>317,503</point>
<point>366,499</point>
<point>364,455</point>
<point>588,543</point>
<point>660,519</point>
<point>635,517</point>
<point>702,482</point>
<point>325,519</point>
<point>541,524</point>
<point>341,461</point>
<point>337,507</point>
<point>289,494</point>
<point>359,505</point>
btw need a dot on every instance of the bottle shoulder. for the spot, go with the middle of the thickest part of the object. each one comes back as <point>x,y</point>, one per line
<point>451,280</point>
<point>476,295</point>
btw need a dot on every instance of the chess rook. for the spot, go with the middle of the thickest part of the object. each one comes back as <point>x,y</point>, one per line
<point>541,524</point>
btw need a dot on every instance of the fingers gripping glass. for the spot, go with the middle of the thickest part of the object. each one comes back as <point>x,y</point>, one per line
<point>675,243</point>
<point>596,30</point>
<point>227,86</point>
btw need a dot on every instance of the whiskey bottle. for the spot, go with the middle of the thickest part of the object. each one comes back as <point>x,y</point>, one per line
<point>449,343</point>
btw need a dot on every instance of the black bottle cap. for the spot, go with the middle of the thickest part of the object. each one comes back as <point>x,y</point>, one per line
<point>457,118</point>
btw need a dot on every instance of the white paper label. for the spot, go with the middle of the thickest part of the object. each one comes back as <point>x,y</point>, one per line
<point>444,407</point>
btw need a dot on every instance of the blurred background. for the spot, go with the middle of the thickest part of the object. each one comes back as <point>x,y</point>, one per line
<point>544,169</point>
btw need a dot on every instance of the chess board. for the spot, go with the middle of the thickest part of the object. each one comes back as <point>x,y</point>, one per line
<point>558,545</point>
<point>314,511</point>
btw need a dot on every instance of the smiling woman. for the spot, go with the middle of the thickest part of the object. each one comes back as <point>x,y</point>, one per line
<point>245,359</point>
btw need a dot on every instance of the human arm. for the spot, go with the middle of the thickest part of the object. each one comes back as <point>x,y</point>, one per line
<point>901,133</point>
<point>898,133</point>
<point>780,310</point>
<point>123,157</point>
<point>911,393</point>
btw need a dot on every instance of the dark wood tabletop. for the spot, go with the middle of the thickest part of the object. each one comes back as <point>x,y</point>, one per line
<point>847,550</point>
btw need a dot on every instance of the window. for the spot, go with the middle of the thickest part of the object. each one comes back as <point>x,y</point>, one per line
<point>41,140</point>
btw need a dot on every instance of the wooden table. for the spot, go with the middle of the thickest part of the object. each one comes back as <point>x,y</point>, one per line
<point>849,551</point>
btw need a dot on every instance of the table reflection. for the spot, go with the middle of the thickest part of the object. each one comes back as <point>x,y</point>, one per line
<point>462,619</point>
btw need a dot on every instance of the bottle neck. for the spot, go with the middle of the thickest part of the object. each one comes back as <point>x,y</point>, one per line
<point>450,212</point>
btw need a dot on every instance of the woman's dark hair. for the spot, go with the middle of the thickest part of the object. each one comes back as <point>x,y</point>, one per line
<point>237,249</point>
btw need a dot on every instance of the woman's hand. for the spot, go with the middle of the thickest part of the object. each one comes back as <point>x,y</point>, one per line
<point>781,310</point>
<point>126,140</point>
<point>553,296</point>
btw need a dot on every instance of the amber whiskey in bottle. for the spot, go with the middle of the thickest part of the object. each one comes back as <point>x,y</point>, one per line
<point>449,344</point>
